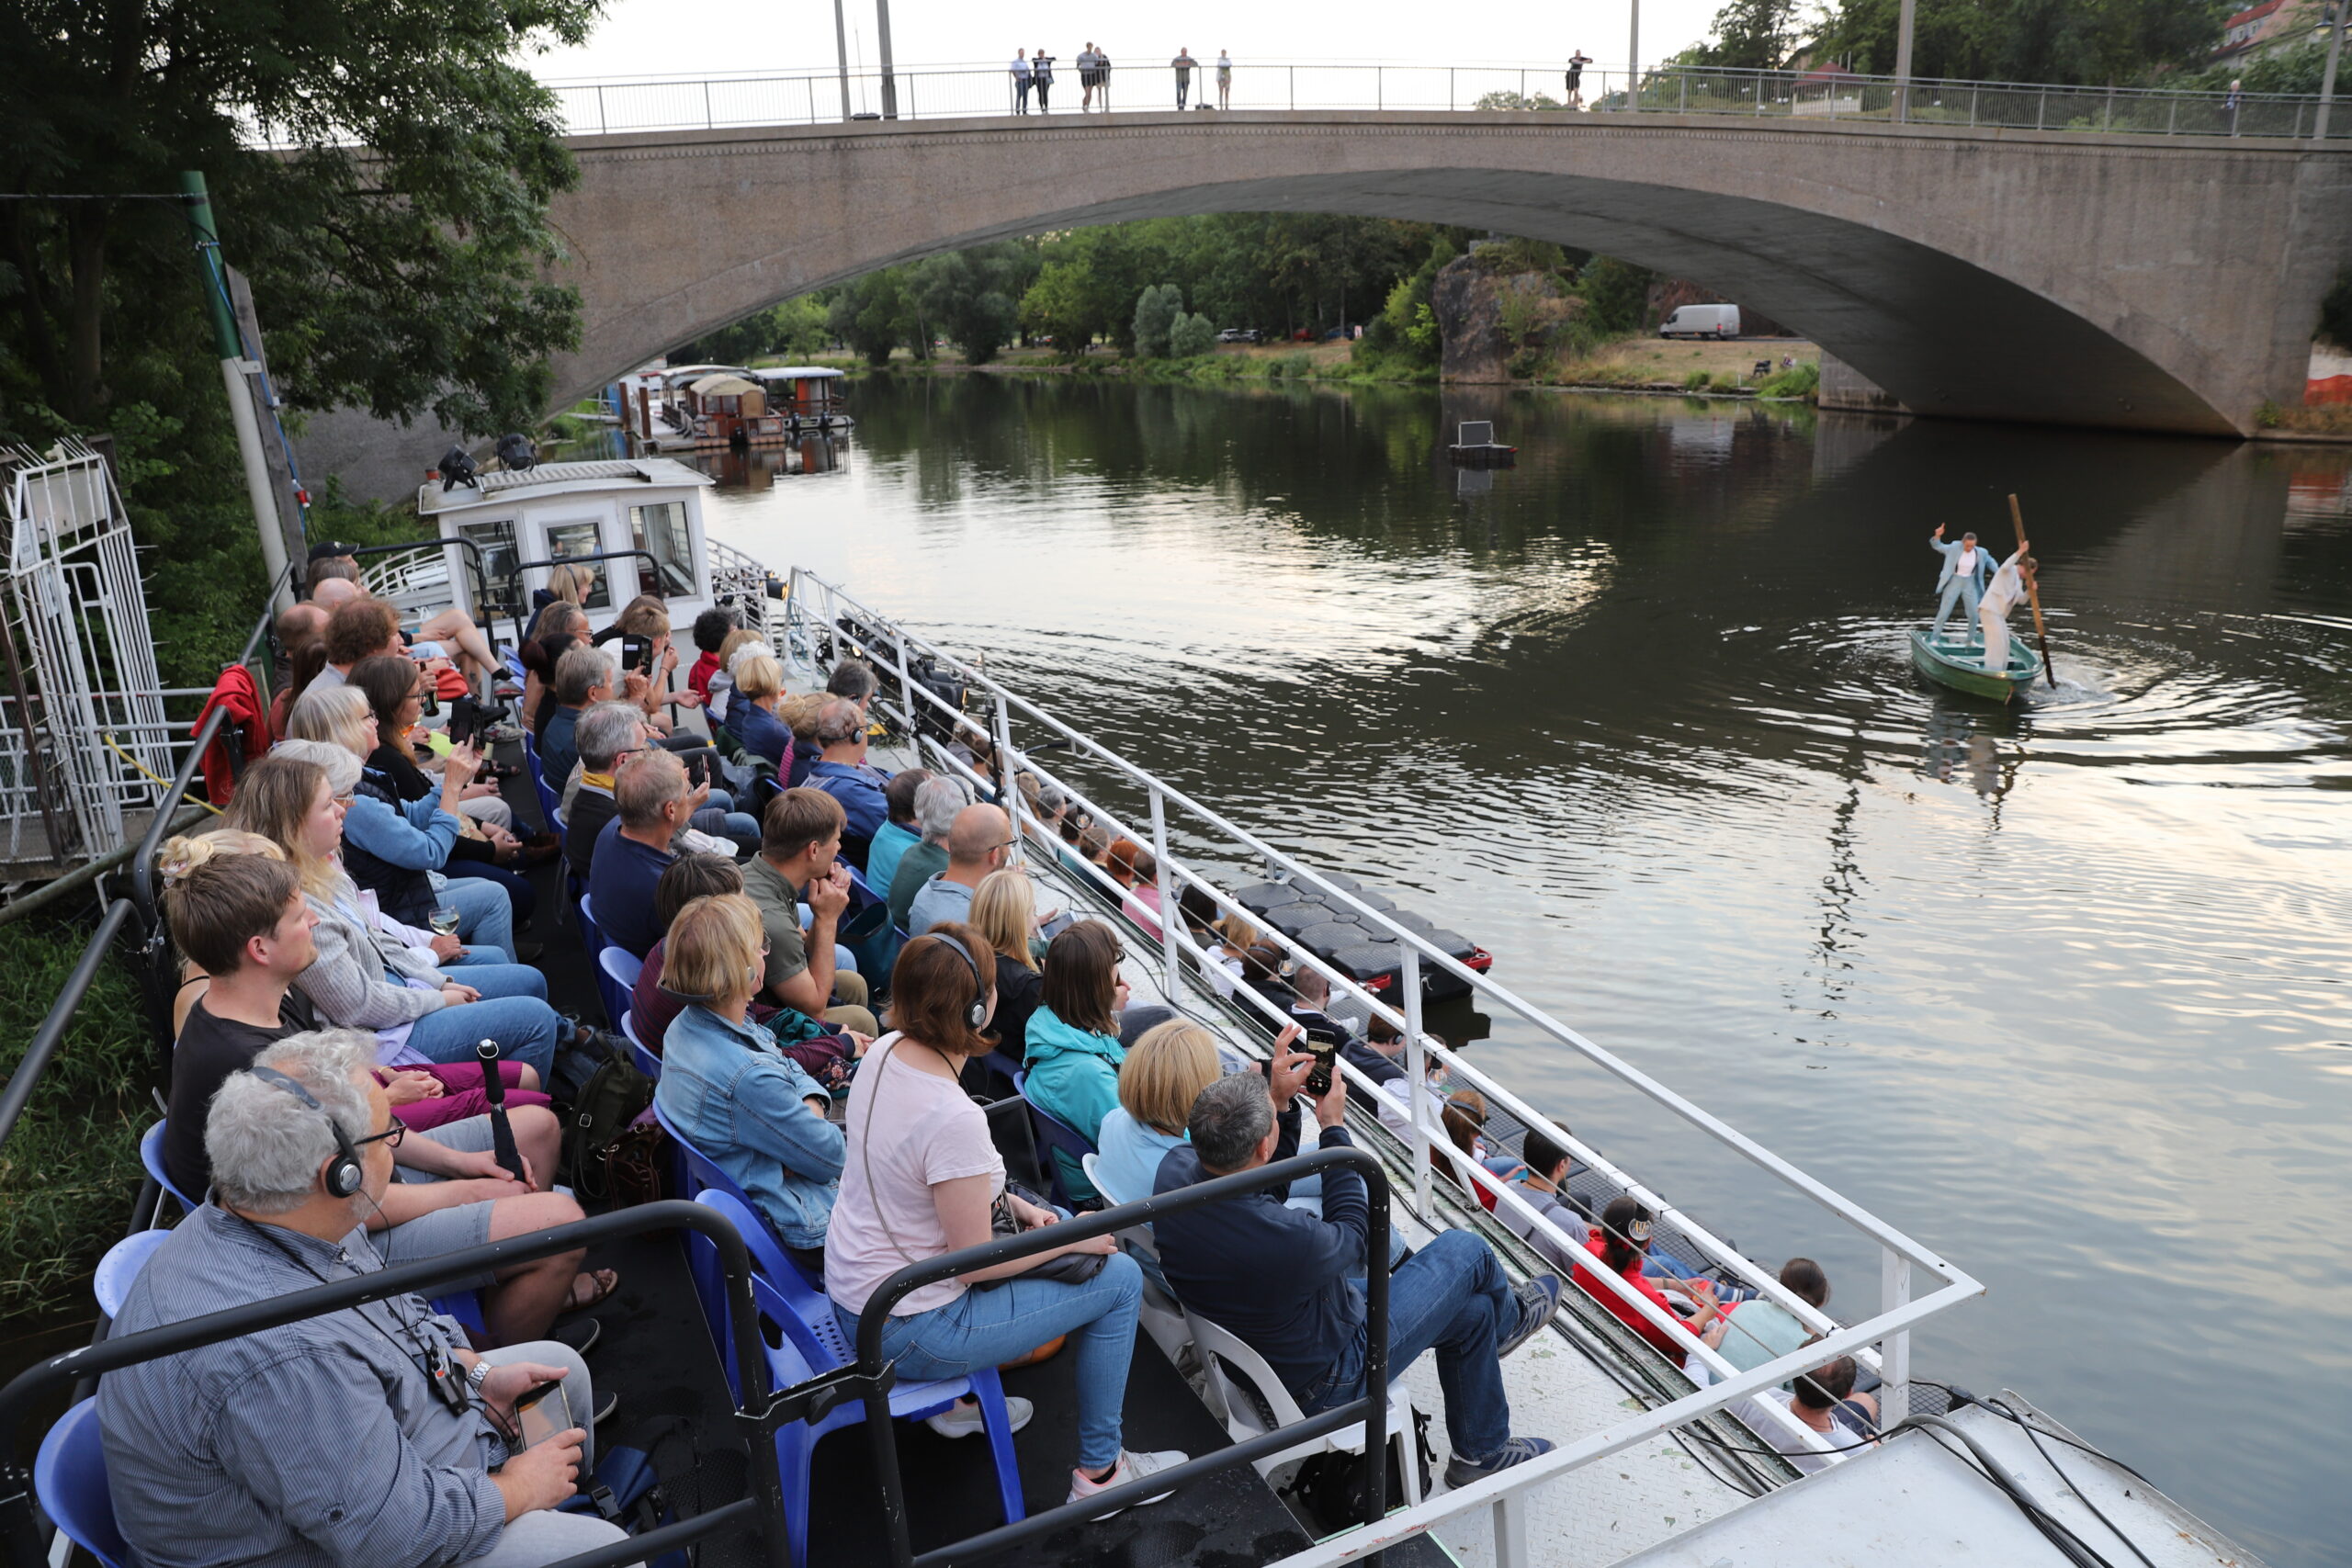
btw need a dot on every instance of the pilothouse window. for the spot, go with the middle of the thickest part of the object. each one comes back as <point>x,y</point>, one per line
<point>496,541</point>
<point>661,531</point>
<point>569,539</point>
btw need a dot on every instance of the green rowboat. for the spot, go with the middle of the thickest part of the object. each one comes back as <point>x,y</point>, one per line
<point>1960,664</point>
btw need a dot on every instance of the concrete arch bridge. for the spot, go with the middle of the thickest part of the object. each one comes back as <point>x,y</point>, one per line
<point>2159,283</point>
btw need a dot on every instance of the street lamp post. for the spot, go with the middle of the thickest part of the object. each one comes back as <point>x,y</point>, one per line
<point>841,54</point>
<point>1633,61</point>
<point>2327,82</point>
<point>1903,62</point>
<point>889,83</point>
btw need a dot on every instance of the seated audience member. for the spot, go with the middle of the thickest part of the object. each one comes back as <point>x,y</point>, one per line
<point>979,842</point>
<point>202,1451</point>
<point>1823,1399</point>
<point>899,832</point>
<point>800,843</point>
<point>1311,994</point>
<point>1073,1053</point>
<point>1288,1283</point>
<point>607,736</point>
<point>558,629</point>
<point>584,677</point>
<point>740,643</point>
<point>711,630</point>
<point>853,681</point>
<point>297,803</point>
<point>304,663</point>
<point>800,716</point>
<point>1751,1333</point>
<point>451,634</point>
<point>1158,1084</point>
<point>920,1177</point>
<point>1464,1119</point>
<point>936,805</point>
<point>1236,935</point>
<point>653,801</point>
<point>1004,911</point>
<point>652,1005</point>
<point>1541,1175</point>
<point>843,772</point>
<point>358,628</point>
<point>394,847</point>
<point>1619,1241</point>
<point>751,712</point>
<point>647,618</point>
<point>1136,870</point>
<point>736,1096</point>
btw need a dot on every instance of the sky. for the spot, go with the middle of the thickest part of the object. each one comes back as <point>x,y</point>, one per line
<point>643,38</point>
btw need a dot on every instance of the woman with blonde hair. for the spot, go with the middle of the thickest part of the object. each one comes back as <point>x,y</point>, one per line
<point>752,717</point>
<point>1164,1073</point>
<point>295,797</point>
<point>731,1090</point>
<point>1004,911</point>
<point>1229,959</point>
<point>394,847</point>
<point>722,679</point>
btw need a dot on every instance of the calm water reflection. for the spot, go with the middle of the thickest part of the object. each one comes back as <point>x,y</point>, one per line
<point>2059,989</point>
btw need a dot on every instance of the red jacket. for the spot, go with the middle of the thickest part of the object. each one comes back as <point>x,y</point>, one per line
<point>236,692</point>
<point>1590,1285</point>
<point>698,677</point>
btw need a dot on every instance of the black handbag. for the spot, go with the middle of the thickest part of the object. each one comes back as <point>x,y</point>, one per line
<point>1069,1269</point>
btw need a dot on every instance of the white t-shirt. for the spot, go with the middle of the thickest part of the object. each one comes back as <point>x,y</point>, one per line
<point>910,1130</point>
<point>1760,1421</point>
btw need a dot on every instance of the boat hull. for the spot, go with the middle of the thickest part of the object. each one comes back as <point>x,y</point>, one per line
<point>1960,665</point>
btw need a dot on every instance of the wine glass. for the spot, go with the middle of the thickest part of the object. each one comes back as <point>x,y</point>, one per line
<point>445,917</point>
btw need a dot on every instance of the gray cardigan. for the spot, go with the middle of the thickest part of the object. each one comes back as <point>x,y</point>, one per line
<point>346,982</point>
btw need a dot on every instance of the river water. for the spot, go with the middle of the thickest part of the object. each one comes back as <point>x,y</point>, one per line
<point>2059,991</point>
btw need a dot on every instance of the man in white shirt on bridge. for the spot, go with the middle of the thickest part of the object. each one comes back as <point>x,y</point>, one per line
<point>1021,79</point>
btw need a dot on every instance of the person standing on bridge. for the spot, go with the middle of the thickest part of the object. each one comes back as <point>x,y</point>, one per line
<point>2010,585</point>
<point>1224,80</point>
<point>1041,71</point>
<point>1577,63</point>
<point>1966,566</point>
<point>1182,65</point>
<point>1022,75</point>
<point>1087,61</point>
<point>1103,76</point>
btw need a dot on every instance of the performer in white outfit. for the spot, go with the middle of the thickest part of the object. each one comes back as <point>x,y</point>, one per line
<point>2010,585</point>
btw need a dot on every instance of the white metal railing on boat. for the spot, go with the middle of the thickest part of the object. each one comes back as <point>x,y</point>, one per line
<point>814,611</point>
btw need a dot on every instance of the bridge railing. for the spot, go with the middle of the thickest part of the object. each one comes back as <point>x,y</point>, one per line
<point>725,102</point>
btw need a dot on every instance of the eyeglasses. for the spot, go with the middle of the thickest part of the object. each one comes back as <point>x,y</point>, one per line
<point>389,1138</point>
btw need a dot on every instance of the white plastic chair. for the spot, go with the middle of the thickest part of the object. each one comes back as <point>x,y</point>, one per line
<point>1231,1365</point>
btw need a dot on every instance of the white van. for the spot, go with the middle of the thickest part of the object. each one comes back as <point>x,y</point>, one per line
<point>1701,320</point>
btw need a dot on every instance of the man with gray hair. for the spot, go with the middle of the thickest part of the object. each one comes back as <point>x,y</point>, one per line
<point>655,801</point>
<point>1289,1284</point>
<point>609,734</point>
<point>841,770</point>
<point>583,676</point>
<point>369,1436</point>
<point>936,804</point>
<point>853,679</point>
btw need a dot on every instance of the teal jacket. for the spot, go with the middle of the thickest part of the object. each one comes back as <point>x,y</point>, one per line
<point>1073,1075</point>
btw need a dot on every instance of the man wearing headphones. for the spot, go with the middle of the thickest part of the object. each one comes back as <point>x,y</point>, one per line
<point>363,1437</point>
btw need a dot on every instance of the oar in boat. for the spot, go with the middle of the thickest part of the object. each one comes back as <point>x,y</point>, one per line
<point>2033,593</point>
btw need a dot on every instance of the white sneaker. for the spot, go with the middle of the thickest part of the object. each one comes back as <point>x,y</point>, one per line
<point>962,1420</point>
<point>1132,1466</point>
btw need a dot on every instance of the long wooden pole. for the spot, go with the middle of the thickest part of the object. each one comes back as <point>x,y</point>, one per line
<point>2033,593</point>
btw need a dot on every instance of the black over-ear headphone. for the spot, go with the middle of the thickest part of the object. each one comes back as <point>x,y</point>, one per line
<point>346,1175</point>
<point>977,1013</point>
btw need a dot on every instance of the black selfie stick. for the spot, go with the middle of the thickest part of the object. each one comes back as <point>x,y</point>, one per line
<point>494,1089</point>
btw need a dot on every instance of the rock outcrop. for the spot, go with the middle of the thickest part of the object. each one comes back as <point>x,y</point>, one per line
<point>1489,319</point>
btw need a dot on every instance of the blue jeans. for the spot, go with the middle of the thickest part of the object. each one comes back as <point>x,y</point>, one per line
<point>522,901</point>
<point>485,915</point>
<point>992,1323</point>
<point>525,1027</point>
<point>486,971</point>
<point>740,826</point>
<point>1450,1296</point>
<point>1962,590</point>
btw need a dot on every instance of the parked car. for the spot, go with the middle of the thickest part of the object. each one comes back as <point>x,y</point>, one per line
<point>1238,334</point>
<point>1700,321</point>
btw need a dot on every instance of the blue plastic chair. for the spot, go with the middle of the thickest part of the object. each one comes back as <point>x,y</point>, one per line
<point>616,972</point>
<point>592,935</point>
<point>813,1345</point>
<point>647,1061</point>
<point>151,1155</point>
<point>1054,1136</point>
<point>70,1479</point>
<point>120,1266</point>
<point>550,799</point>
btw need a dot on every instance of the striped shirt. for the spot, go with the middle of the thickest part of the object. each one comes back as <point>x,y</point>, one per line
<point>320,1442</point>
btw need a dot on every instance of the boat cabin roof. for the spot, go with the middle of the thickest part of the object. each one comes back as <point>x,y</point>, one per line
<point>796,373</point>
<point>504,487</point>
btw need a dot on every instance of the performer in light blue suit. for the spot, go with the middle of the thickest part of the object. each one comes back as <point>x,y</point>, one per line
<point>1967,566</point>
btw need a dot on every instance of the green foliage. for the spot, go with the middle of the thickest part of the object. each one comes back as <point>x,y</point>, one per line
<point>795,330</point>
<point>1156,309</point>
<point>1616,295</point>
<point>71,1165</point>
<point>2302,69</point>
<point>969,295</point>
<point>1797,381</point>
<point>1518,101</point>
<point>2055,42</point>
<point>1190,337</point>
<point>1404,337</point>
<point>1752,35</point>
<point>1696,381</point>
<point>874,315</point>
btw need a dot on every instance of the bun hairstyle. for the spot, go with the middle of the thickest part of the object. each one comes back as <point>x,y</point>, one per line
<point>935,990</point>
<point>179,856</point>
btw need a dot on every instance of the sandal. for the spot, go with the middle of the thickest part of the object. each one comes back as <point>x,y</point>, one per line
<point>605,1281</point>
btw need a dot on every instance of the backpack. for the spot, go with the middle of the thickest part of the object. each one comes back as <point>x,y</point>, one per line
<point>627,1491</point>
<point>1330,1486</point>
<point>602,1144</point>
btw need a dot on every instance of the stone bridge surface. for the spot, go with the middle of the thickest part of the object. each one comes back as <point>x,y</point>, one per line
<point>2157,283</point>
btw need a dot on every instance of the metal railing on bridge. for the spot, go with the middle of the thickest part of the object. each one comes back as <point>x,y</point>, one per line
<point>725,102</point>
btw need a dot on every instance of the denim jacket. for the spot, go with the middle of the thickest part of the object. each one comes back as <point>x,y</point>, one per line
<point>740,1102</point>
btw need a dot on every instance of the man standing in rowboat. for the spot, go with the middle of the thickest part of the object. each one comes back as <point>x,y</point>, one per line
<point>1963,579</point>
<point>2010,585</point>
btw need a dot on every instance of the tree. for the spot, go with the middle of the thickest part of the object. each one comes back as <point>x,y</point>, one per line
<point>1616,294</point>
<point>970,295</point>
<point>1753,35</point>
<point>874,315</point>
<point>1156,309</point>
<point>382,174</point>
<point>2060,41</point>
<point>797,329</point>
<point>1190,336</point>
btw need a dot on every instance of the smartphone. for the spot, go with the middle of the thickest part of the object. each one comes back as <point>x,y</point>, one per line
<point>462,719</point>
<point>542,1413</point>
<point>1324,1046</point>
<point>637,653</point>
